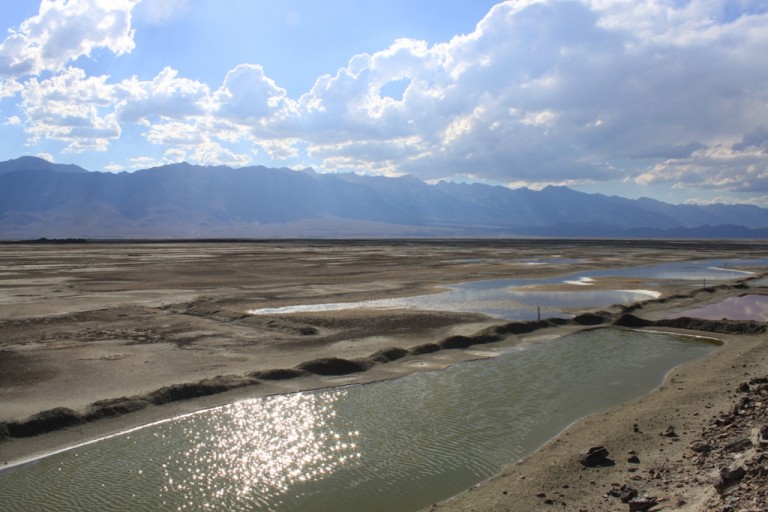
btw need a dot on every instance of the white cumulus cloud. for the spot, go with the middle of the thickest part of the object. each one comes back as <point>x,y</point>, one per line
<point>552,92</point>
<point>65,30</point>
<point>71,107</point>
<point>165,96</point>
<point>541,91</point>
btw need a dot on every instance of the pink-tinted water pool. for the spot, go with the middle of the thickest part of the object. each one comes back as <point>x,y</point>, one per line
<point>746,307</point>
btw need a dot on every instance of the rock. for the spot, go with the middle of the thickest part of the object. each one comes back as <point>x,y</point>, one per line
<point>627,494</point>
<point>644,503</point>
<point>670,432</point>
<point>729,477</point>
<point>738,445</point>
<point>633,459</point>
<point>701,447</point>
<point>593,456</point>
<point>762,435</point>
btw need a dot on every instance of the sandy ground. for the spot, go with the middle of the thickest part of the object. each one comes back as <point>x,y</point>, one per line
<point>82,323</point>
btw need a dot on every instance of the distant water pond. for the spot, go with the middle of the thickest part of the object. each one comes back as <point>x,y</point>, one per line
<point>746,307</point>
<point>495,298</point>
<point>711,270</point>
<point>398,445</point>
<point>508,298</point>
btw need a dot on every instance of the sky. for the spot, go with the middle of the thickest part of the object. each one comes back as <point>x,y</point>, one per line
<point>659,98</point>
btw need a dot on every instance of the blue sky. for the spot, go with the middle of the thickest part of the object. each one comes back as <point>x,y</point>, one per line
<point>659,98</point>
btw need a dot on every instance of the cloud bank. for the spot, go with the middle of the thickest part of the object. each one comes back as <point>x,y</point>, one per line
<point>563,92</point>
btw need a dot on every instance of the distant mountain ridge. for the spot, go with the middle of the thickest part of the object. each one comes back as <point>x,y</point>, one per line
<point>31,163</point>
<point>40,199</point>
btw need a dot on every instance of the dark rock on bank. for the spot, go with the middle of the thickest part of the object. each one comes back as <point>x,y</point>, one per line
<point>670,432</point>
<point>739,445</point>
<point>640,504</point>
<point>594,456</point>
<point>729,477</point>
<point>625,493</point>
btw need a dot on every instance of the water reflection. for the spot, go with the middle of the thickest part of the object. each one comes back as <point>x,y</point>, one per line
<point>257,449</point>
<point>496,298</point>
<point>509,299</point>
<point>746,307</point>
<point>685,271</point>
<point>392,446</point>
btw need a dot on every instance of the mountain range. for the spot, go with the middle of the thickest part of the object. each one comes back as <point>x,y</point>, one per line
<point>42,199</point>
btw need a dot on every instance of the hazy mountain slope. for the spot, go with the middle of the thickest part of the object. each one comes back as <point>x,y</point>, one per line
<point>31,163</point>
<point>39,199</point>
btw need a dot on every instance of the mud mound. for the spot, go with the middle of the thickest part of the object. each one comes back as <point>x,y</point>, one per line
<point>279,325</point>
<point>45,421</point>
<point>426,348</point>
<point>528,327</point>
<point>335,366</point>
<point>277,374</point>
<point>114,407</point>
<point>468,341</point>
<point>719,326</point>
<point>205,387</point>
<point>592,318</point>
<point>696,324</point>
<point>629,320</point>
<point>389,354</point>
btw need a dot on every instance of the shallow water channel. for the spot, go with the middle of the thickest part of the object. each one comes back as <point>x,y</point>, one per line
<point>395,445</point>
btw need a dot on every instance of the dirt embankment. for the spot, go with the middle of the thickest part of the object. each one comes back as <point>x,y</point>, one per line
<point>62,417</point>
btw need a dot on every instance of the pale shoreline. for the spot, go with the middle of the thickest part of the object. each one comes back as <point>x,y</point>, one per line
<point>549,468</point>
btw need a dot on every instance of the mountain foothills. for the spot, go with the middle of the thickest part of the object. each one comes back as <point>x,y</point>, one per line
<point>39,199</point>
